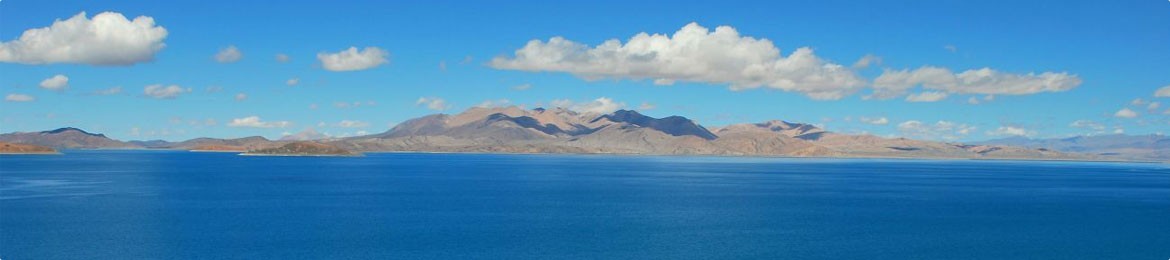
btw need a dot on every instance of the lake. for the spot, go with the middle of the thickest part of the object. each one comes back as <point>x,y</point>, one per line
<point>184,205</point>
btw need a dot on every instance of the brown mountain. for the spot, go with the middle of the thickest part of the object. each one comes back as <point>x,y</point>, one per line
<point>66,138</point>
<point>559,130</point>
<point>246,143</point>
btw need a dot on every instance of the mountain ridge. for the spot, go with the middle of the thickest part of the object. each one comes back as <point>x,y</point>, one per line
<point>558,130</point>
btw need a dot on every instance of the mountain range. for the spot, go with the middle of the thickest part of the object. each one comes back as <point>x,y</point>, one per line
<point>1132,147</point>
<point>559,130</point>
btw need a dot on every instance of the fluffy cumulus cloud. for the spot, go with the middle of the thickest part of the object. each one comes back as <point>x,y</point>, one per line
<point>1010,131</point>
<point>55,83</point>
<point>875,120</point>
<point>930,96</point>
<point>944,130</point>
<point>229,55</point>
<point>164,92</point>
<point>1125,113</point>
<point>352,124</point>
<point>893,83</point>
<point>692,54</point>
<point>108,39</point>
<point>432,103</point>
<point>255,122</point>
<point>19,98</point>
<point>351,59</point>
<point>1162,92</point>
<point>601,105</point>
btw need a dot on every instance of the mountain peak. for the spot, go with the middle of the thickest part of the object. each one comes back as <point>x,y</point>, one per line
<point>71,129</point>
<point>673,125</point>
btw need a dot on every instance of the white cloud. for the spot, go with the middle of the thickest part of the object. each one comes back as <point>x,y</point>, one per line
<point>875,120</point>
<point>866,61</point>
<point>1153,106</point>
<point>1125,113</point>
<point>351,59</point>
<point>494,103</point>
<point>692,54</point>
<point>976,100</point>
<point>432,103</point>
<point>229,55</point>
<point>161,92</point>
<point>19,98</point>
<point>255,122</point>
<point>241,96</point>
<point>108,91</point>
<point>1162,92</point>
<point>930,96</point>
<point>352,124</point>
<point>522,87</point>
<point>601,105</point>
<point>561,103</point>
<point>944,130</point>
<point>646,106</point>
<point>1087,124</point>
<point>1137,102</point>
<point>108,39</point>
<point>292,81</point>
<point>1010,131</point>
<point>283,58</point>
<point>55,83</point>
<point>893,83</point>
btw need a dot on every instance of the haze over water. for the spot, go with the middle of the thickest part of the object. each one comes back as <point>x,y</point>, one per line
<point>182,205</point>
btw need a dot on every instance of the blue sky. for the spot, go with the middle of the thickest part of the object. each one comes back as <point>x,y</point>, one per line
<point>1101,58</point>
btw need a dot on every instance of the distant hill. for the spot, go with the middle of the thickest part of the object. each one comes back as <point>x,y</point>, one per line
<point>151,144</point>
<point>66,138</point>
<point>11,148</point>
<point>304,148</point>
<point>559,130</point>
<point>1133,147</point>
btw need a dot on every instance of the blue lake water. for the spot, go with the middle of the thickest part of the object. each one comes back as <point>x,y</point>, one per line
<point>183,205</point>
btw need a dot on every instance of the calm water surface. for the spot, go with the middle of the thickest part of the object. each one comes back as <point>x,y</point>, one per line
<point>183,205</point>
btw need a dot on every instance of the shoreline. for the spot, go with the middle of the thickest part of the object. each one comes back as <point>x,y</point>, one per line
<point>362,154</point>
<point>34,153</point>
<point>795,157</point>
<point>301,155</point>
